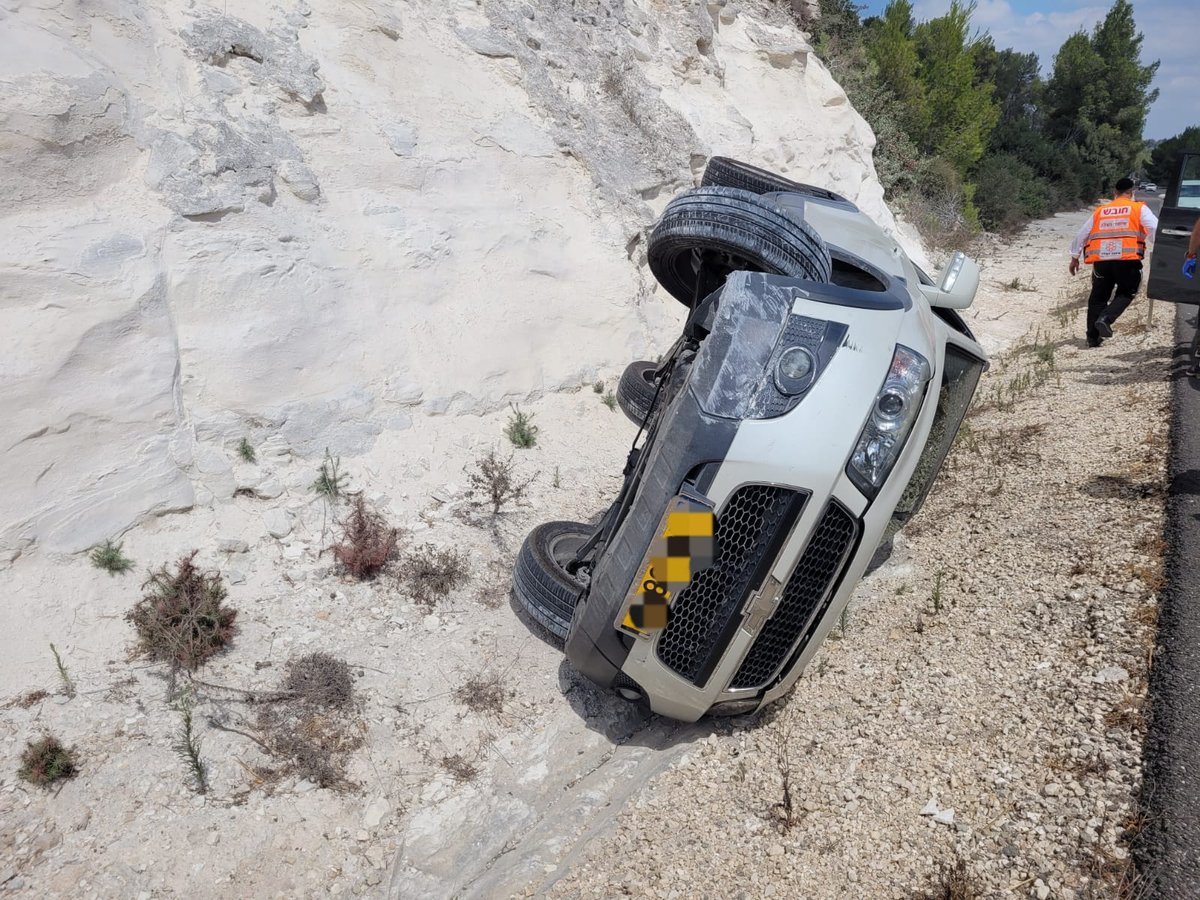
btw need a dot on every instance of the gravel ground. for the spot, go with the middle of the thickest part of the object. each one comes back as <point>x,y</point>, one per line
<point>983,703</point>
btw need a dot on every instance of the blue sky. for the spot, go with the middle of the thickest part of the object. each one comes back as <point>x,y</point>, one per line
<point>1171,29</point>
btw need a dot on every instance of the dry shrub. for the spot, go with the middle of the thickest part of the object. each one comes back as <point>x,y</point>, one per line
<point>46,761</point>
<point>494,482</point>
<point>428,573</point>
<point>367,544</point>
<point>314,730</point>
<point>27,700</point>
<point>312,744</point>
<point>953,882</point>
<point>181,619</point>
<point>461,768</point>
<point>320,680</point>
<point>483,695</point>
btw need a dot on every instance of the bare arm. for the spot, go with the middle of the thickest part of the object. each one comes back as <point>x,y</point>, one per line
<point>1194,242</point>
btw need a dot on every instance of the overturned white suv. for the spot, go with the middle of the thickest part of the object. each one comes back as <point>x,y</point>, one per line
<point>795,426</point>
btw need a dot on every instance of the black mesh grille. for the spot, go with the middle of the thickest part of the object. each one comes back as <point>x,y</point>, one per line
<point>746,531</point>
<point>815,573</point>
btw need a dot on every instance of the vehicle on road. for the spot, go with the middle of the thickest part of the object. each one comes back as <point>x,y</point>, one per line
<point>1180,209</point>
<point>796,424</point>
<point>1149,187</point>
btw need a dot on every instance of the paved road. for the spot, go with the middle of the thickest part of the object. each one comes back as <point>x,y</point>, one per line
<point>1170,850</point>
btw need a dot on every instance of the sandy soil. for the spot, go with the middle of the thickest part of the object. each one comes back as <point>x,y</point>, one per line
<point>994,668</point>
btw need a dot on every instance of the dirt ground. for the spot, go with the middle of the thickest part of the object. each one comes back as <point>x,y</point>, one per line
<point>981,703</point>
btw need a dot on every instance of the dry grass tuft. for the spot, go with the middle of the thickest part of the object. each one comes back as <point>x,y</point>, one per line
<point>46,761</point>
<point>428,573</point>
<point>182,620</point>
<point>461,768</point>
<point>954,881</point>
<point>320,680</point>
<point>483,695</point>
<point>367,543</point>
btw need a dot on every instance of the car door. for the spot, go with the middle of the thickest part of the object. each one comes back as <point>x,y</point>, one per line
<point>1181,208</point>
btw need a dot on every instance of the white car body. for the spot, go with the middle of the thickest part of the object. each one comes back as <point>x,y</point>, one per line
<point>803,454</point>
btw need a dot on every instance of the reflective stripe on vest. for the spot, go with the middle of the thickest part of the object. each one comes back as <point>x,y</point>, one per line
<point>1116,232</point>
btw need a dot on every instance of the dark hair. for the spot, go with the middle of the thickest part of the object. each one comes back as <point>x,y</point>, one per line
<point>1123,185</point>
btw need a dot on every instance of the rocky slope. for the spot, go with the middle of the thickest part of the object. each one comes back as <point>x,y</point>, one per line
<point>312,223</point>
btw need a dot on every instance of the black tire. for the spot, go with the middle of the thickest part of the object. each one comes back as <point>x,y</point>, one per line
<point>722,171</point>
<point>733,230</point>
<point>636,390</point>
<point>541,583</point>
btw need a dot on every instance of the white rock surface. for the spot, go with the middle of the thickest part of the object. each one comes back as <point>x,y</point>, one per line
<point>308,222</point>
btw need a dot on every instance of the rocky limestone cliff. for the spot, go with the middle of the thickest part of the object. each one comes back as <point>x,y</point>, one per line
<point>310,222</point>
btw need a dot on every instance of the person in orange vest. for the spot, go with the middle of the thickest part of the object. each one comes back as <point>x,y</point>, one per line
<point>1113,242</point>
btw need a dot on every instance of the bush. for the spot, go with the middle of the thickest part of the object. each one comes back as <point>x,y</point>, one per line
<point>108,556</point>
<point>494,480</point>
<point>520,429</point>
<point>429,573</point>
<point>367,544</point>
<point>1009,193</point>
<point>46,761</point>
<point>320,680</point>
<point>181,620</point>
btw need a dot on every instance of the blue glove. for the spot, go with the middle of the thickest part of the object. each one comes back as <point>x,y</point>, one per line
<point>1189,268</point>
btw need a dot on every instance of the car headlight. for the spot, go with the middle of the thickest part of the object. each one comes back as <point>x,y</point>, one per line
<point>892,417</point>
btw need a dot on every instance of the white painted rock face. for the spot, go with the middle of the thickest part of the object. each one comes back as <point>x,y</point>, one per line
<point>314,227</point>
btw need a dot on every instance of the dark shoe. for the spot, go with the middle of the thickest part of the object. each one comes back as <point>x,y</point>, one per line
<point>1104,327</point>
<point>1093,342</point>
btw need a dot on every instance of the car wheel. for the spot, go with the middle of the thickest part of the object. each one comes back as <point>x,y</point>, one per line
<point>706,233</point>
<point>636,390</point>
<point>541,582</point>
<point>722,171</point>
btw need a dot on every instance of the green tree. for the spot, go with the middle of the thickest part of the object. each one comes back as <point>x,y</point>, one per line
<point>1164,158</point>
<point>891,46</point>
<point>962,113</point>
<point>1098,96</point>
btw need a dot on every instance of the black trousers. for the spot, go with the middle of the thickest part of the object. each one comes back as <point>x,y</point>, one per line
<point>1123,275</point>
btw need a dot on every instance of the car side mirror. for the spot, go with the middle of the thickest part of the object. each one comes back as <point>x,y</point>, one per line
<point>956,285</point>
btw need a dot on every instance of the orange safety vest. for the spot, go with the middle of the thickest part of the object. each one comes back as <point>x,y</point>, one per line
<point>1117,232</point>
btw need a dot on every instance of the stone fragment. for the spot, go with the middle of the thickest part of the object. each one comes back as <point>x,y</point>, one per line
<point>375,812</point>
<point>300,180</point>
<point>278,522</point>
<point>232,545</point>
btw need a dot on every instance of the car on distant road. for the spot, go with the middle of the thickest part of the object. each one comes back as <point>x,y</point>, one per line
<point>1150,187</point>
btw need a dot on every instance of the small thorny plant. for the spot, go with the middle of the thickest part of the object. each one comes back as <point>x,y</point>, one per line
<point>187,748</point>
<point>610,400</point>
<point>64,676</point>
<point>598,387</point>
<point>429,573</point>
<point>182,619</point>
<point>520,429</point>
<point>367,542</point>
<point>246,451</point>
<point>493,481</point>
<point>330,482</point>
<point>108,556</point>
<point>46,761</point>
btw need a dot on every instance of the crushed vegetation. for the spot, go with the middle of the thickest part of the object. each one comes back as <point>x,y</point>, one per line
<point>182,619</point>
<point>312,731</point>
